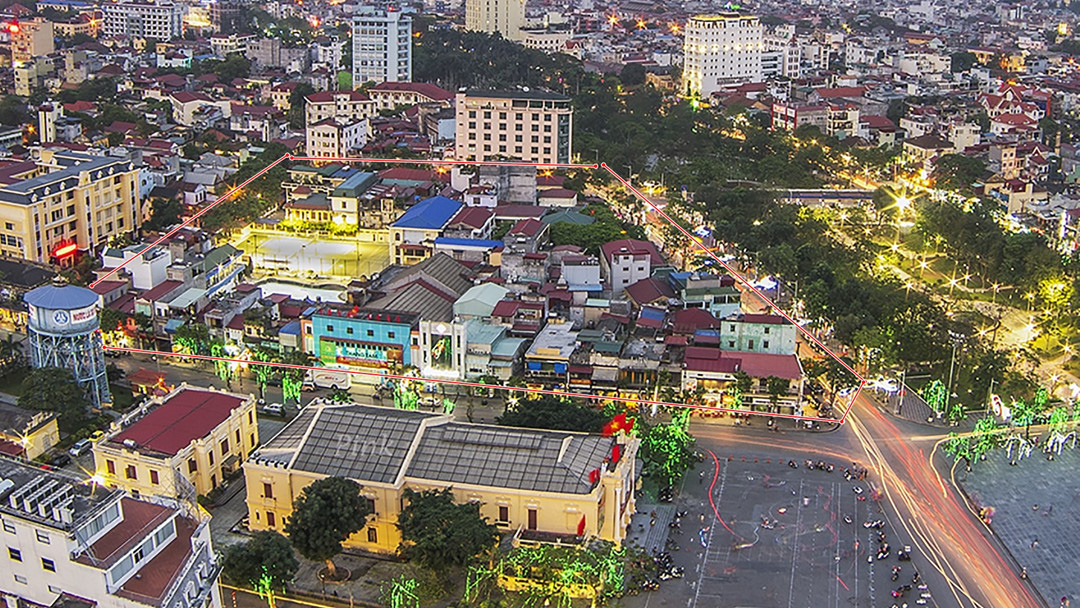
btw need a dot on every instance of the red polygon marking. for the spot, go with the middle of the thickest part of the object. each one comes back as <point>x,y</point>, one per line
<point>604,166</point>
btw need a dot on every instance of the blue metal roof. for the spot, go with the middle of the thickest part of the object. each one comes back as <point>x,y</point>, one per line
<point>429,214</point>
<point>655,314</point>
<point>66,297</point>
<point>482,243</point>
<point>292,328</point>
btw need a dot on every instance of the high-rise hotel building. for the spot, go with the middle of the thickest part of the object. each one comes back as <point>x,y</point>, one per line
<point>721,52</point>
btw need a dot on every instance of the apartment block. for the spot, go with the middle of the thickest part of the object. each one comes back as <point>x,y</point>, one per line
<point>534,126</point>
<point>506,17</point>
<point>382,46</point>
<point>158,20</point>
<point>31,38</point>
<point>66,202</point>
<point>345,106</point>
<point>721,52</point>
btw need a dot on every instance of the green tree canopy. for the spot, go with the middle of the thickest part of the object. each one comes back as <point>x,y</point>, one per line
<point>958,172</point>
<point>55,390</point>
<point>326,513</point>
<point>440,534</point>
<point>265,554</point>
<point>550,412</point>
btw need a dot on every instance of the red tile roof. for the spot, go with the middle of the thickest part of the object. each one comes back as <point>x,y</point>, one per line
<point>152,295</point>
<point>767,319</point>
<point>186,416</point>
<point>473,217</point>
<point>156,577</point>
<point>426,89</point>
<point>649,290</point>
<point>329,96</point>
<point>139,519</point>
<point>632,246</point>
<point>527,227</point>
<point>689,320</point>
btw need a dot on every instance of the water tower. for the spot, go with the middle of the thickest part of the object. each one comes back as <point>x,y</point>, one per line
<point>64,333</point>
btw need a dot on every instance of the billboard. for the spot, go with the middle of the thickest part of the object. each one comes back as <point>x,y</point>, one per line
<point>442,353</point>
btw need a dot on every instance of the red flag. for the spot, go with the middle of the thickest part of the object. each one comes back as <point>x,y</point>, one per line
<point>581,526</point>
<point>616,451</point>
<point>594,475</point>
<point>618,423</point>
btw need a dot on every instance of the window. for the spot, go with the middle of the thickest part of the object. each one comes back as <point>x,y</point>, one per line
<point>225,447</point>
<point>372,535</point>
<point>211,455</point>
<point>55,589</point>
<point>154,477</point>
<point>20,579</point>
<point>766,331</point>
<point>110,466</point>
<point>349,330</point>
<point>14,554</point>
<point>9,527</point>
<point>213,481</point>
<point>238,437</point>
<point>138,555</point>
<point>370,504</point>
<point>504,513</point>
<point>329,328</point>
<point>268,490</point>
<point>750,345</point>
<point>130,472</point>
<point>42,537</point>
<point>370,333</point>
<point>192,466</point>
<point>48,564</point>
<point>390,335</point>
<point>532,519</point>
<point>270,519</point>
<point>251,418</point>
<point>764,344</point>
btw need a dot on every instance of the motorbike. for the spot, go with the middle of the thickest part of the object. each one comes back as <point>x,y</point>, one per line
<point>793,464</point>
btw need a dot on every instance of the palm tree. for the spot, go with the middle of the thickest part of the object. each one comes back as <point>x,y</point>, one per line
<point>11,355</point>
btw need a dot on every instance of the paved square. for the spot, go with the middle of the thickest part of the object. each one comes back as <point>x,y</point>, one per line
<point>323,256</point>
<point>807,558</point>
<point>1014,492</point>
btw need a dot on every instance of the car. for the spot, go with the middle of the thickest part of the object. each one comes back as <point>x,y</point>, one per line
<point>274,409</point>
<point>97,436</point>
<point>59,459</point>
<point>79,448</point>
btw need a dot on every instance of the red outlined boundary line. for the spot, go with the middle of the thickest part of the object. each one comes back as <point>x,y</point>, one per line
<point>537,391</point>
<point>696,241</point>
<point>604,166</point>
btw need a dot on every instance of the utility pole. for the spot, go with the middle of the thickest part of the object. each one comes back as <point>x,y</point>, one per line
<point>952,366</point>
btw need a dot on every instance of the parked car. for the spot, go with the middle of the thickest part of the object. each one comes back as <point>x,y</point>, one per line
<point>59,459</point>
<point>274,409</point>
<point>80,447</point>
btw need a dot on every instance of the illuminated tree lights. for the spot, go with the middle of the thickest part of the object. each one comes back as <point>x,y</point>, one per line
<point>401,593</point>
<point>551,575</point>
<point>935,395</point>
<point>666,449</point>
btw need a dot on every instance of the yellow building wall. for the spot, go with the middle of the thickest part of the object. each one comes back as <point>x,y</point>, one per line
<point>42,439</point>
<point>558,513</point>
<point>206,452</point>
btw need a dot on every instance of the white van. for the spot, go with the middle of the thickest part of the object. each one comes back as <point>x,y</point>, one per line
<point>330,378</point>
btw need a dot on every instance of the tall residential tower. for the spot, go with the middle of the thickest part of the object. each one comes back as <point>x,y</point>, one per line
<point>504,16</point>
<point>382,46</point>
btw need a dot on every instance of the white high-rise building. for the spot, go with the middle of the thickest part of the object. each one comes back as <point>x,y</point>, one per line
<point>721,52</point>
<point>382,46</point>
<point>504,16</point>
<point>160,21</point>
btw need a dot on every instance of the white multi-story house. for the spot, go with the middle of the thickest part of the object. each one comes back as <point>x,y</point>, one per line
<point>158,20</point>
<point>346,106</point>
<point>758,334</point>
<point>628,261</point>
<point>720,52</point>
<point>71,541</point>
<point>382,46</point>
<point>533,126</point>
<point>332,138</point>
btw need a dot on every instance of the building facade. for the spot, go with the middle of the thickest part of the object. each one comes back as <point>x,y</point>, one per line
<point>362,340</point>
<point>74,543</point>
<point>158,20</point>
<point>33,38</point>
<point>544,484</point>
<point>533,126</point>
<point>721,52</point>
<point>65,203</point>
<point>382,46</point>
<point>346,106</point>
<point>506,17</point>
<point>758,334</point>
<point>332,138</point>
<point>190,439</point>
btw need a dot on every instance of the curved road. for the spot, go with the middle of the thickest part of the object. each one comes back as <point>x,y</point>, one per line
<point>961,562</point>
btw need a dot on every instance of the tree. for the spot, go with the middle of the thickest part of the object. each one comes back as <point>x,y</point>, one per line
<point>633,74</point>
<point>667,452</point>
<point>440,534</point>
<point>11,355</point>
<point>265,554</point>
<point>961,61</point>
<point>54,389</point>
<point>326,513</point>
<point>553,413</point>
<point>13,112</point>
<point>164,212</point>
<point>743,384</point>
<point>957,172</point>
<point>776,386</point>
<point>297,105</point>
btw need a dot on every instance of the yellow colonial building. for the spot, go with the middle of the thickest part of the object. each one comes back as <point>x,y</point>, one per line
<point>191,438</point>
<point>27,434</point>
<point>543,485</point>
